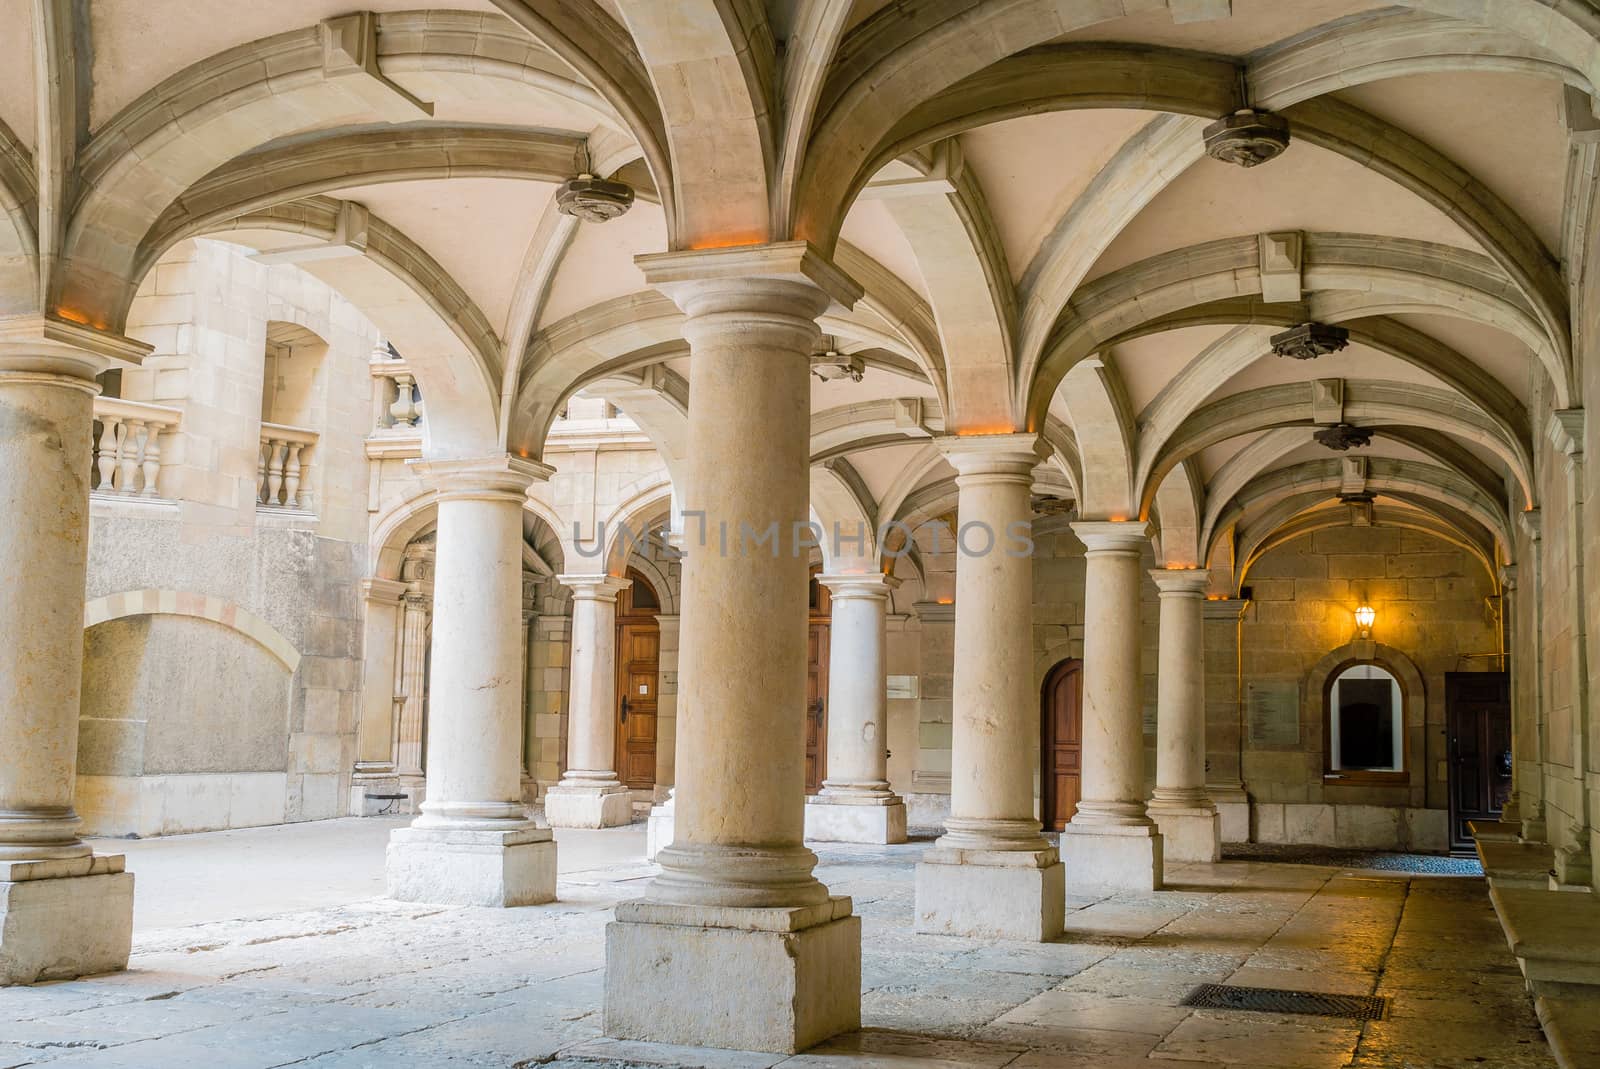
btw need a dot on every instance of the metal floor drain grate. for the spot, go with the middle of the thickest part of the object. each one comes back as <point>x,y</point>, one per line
<point>1278,1000</point>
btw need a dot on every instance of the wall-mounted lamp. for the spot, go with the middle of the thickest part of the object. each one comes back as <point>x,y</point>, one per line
<point>1365,616</point>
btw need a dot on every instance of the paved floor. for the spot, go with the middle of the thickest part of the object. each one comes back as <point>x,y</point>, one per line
<point>229,875</point>
<point>336,980</point>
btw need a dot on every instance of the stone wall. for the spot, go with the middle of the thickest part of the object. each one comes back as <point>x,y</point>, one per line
<point>1433,609</point>
<point>1430,599</point>
<point>187,723</point>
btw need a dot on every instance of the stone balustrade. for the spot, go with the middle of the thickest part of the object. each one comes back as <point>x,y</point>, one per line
<point>128,443</point>
<point>397,406</point>
<point>283,477</point>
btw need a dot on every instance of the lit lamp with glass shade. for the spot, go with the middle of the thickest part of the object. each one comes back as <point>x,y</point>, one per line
<point>1365,616</point>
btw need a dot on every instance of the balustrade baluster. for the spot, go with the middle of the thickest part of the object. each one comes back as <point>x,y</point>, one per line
<point>275,455</point>
<point>291,476</point>
<point>128,457</point>
<point>106,454</point>
<point>152,461</point>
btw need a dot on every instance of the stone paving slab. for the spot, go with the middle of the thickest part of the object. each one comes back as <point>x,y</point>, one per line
<point>380,985</point>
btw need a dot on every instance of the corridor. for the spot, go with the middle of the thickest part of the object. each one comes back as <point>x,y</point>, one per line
<point>364,981</point>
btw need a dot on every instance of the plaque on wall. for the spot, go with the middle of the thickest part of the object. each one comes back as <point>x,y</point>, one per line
<point>902,686</point>
<point>1273,709</point>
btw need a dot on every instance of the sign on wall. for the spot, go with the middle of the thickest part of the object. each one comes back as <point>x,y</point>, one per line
<point>1272,709</point>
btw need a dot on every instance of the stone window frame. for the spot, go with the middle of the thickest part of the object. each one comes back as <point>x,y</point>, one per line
<point>1413,701</point>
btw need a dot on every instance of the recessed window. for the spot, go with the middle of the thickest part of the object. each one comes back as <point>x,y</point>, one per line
<point>1366,721</point>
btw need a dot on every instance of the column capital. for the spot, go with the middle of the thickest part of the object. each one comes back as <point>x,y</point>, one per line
<point>1508,576</point>
<point>668,622</point>
<point>872,585</point>
<point>594,587</point>
<point>385,590</point>
<point>1012,455</point>
<point>1223,608</point>
<point>499,476</point>
<point>47,345</point>
<point>1112,536</point>
<point>711,280</point>
<point>1530,519</point>
<point>1181,582</point>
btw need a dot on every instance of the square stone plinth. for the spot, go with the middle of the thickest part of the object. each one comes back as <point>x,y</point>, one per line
<point>1189,834</point>
<point>588,807</point>
<point>843,822</point>
<point>1106,858</point>
<point>658,830</point>
<point>63,919</point>
<point>777,980</point>
<point>446,866</point>
<point>991,894</point>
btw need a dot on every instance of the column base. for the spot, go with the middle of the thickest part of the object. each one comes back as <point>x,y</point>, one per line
<point>1191,834</point>
<point>991,894</point>
<point>878,820</point>
<point>62,919</point>
<point>568,806</point>
<point>1106,858</point>
<point>658,829</point>
<point>469,867</point>
<point>777,980</point>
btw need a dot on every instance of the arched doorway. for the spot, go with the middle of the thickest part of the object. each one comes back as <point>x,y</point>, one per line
<point>817,684</point>
<point>638,670</point>
<point>1061,743</point>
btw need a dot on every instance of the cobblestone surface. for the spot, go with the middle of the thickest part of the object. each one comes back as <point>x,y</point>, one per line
<point>381,984</point>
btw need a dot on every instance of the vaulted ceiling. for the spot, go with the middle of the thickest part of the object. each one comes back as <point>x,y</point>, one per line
<point>1020,187</point>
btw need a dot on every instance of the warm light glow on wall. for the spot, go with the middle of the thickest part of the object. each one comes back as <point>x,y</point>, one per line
<point>975,432</point>
<point>727,242</point>
<point>945,601</point>
<point>1366,615</point>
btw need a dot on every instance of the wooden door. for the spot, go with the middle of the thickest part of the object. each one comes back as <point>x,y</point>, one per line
<point>816,705</point>
<point>638,667</point>
<point>1061,743</point>
<point>1478,714</point>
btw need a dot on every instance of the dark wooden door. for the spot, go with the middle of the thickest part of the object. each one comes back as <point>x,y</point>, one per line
<point>1478,712</point>
<point>1061,743</point>
<point>638,666</point>
<point>816,705</point>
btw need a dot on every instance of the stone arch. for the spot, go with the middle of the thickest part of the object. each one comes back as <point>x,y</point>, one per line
<point>1095,75</point>
<point>723,157</point>
<point>1368,404</point>
<point>418,307</point>
<point>1413,691</point>
<point>19,249</point>
<point>1202,279</point>
<point>184,128</point>
<point>156,602</point>
<point>1410,517</point>
<point>635,516</point>
<point>400,525</point>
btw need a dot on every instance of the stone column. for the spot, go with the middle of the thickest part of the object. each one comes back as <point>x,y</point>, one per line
<point>64,910</point>
<point>992,874</point>
<point>658,828</point>
<point>589,794</point>
<point>1511,811</point>
<point>412,688</point>
<point>1224,713</point>
<point>1534,826</point>
<point>474,843</point>
<point>530,612</point>
<point>855,804</point>
<point>736,944</point>
<point>375,771</point>
<point>1180,806</point>
<point>1110,843</point>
